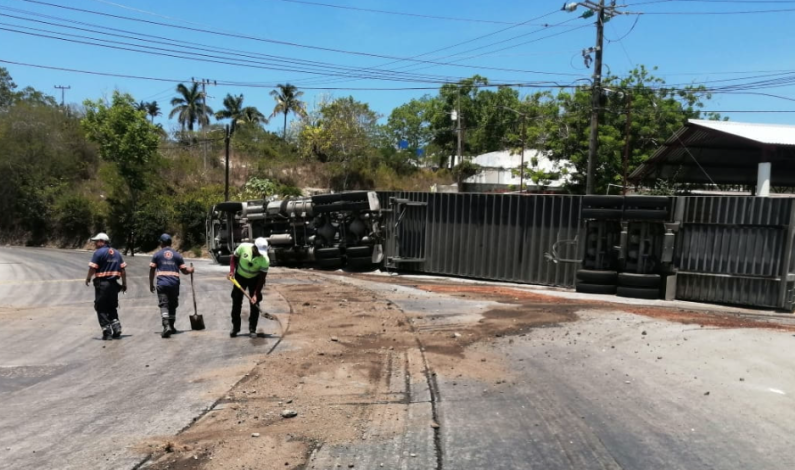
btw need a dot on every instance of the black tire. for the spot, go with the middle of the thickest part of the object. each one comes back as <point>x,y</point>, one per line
<point>606,202</point>
<point>646,214</point>
<point>223,260</point>
<point>359,252</point>
<point>360,263</point>
<point>329,263</point>
<point>602,214</point>
<point>604,278</point>
<point>647,202</point>
<point>229,207</point>
<point>638,292</point>
<point>327,253</point>
<point>586,288</point>
<point>639,280</point>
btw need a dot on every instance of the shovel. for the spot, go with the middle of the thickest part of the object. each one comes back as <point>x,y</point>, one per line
<point>196,320</point>
<point>265,315</point>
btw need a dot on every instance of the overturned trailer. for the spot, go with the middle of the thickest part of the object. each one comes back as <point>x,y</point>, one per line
<point>329,230</point>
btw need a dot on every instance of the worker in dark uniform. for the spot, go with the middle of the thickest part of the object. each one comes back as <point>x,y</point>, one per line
<point>107,267</point>
<point>249,267</point>
<point>166,265</point>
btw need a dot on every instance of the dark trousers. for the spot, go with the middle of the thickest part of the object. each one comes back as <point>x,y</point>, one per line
<point>237,302</point>
<point>106,304</point>
<point>168,301</point>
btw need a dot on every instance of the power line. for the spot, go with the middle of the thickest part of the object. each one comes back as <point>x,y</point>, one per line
<point>201,57</point>
<point>262,85</point>
<point>176,43</point>
<point>274,41</point>
<point>746,12</point>
<point>398,13</point>
<point>227,83</point>
<point>468,41</point>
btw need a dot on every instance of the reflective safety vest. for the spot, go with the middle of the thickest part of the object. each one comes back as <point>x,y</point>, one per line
<point>248,266</point>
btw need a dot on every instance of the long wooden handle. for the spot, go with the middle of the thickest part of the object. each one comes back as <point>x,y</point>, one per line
<point>237,284</point>
<point>193,289</point>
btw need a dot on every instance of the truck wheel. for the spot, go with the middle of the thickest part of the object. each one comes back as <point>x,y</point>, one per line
<point>639,280</point>
<point>327,253</point>
<point>605,278</point>
<point>329,263</point>
<point>586,288</point>
<point>603,201</point>
<point>638,292</point>
<point>359,252</point>
<point>602,214</point>
<point>229,207</point>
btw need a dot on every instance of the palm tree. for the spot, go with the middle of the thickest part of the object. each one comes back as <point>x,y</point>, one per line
<point>252,115</point>
<point>234,110</point>
<point>189,107</point>
<point>287,101</point>
<point>141,106</point>
<point>153,110</point>
<point>233,106</point>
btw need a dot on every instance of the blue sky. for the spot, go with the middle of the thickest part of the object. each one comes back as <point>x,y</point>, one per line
<point>686,47</point>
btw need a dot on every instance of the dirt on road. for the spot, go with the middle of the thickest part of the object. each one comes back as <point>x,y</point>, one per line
<point>347,350</point>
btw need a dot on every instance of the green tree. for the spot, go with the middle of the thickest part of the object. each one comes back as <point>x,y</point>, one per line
<point>153,110</point>
<point>288,101</point>
<point>43,156</point>
<point>238,114</point>
<point>141,106</point>
<point>129,142</point>
<point>7,87</point>
<point>411,122</point>
<point>657,112</point>
<point>189,107</point>
<point>252,115</point>
<point>345,135</point>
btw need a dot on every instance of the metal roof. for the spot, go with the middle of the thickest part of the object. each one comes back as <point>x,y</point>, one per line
<point>722,152</point>
<point>496,167</point>
<point>771,134</point>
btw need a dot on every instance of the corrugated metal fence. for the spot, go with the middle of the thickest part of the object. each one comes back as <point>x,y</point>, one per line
<point>735,250</point>
<point>485,236</point>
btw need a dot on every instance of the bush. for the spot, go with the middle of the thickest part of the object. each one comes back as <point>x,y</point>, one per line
<point>152,218</point>
<point>74,218</point>
<point>191,215</point>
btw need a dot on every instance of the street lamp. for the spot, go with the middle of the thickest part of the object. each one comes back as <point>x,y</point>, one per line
<point>524,135</point>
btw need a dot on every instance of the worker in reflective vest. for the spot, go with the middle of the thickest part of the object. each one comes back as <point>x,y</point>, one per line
<point>249,267</point>
<point>166,265</point>
<point>107,267</point>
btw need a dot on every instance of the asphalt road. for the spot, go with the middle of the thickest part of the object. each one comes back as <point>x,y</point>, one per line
<point>610,391</point>
<point>69,400</point>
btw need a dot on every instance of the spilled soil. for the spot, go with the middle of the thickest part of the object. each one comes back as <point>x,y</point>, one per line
<point>347,360</point>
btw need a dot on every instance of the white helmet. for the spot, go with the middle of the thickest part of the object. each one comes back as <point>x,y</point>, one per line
<point>262,245</point>
<point>101,236</point>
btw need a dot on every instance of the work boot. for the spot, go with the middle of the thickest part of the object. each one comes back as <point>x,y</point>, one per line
<point>171,326</point>
<point>116,328</point>
<point>252,333</point>
<point>234,332</point>
<point>166,333</point>
<point>106,334</point>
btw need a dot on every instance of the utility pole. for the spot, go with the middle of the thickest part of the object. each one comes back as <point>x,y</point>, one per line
<point>459,130</point>
<point>593,140</point>
<point>524,144</point>
<point>63,92</point>
<point>603,13</point>
<point>227,138</point>
<point>627,132</point>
